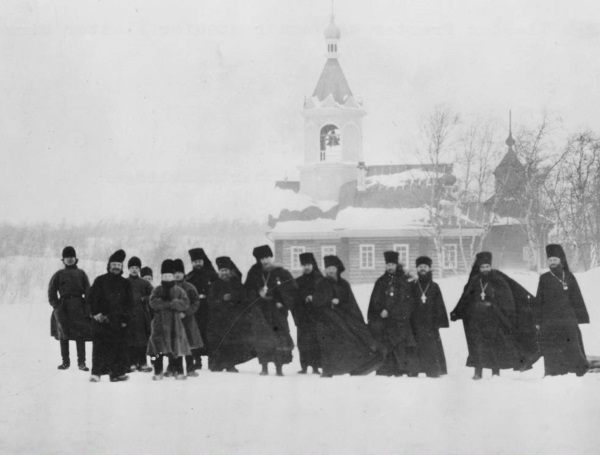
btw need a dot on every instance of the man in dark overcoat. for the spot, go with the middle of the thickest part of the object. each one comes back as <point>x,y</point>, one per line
<point>488,310</point>
<point>201,277</point>
<point>558,311</point>
<point>347,345</point>
<point>428,316</point>
<point>273,290</point>
<point>70,318</point>
<point>111,302</point>
<point>229,332</point>
<point>193,334</point>
<point>304,313</point>
<point>138,329</point>
<point>389,319</point>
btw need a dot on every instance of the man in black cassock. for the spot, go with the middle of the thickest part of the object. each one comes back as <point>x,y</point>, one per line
<point>111,301</point>
<point>347,345</point>
<point>559,308</point>
<point>138,329</point>
<point>229,331</point>
<point>488,311</point>
<point>428,316</point>
<point>201,276</point>
<point>389,319</point>
<point>304,314</point>
<point>70,319</point>
<point>273,290</point>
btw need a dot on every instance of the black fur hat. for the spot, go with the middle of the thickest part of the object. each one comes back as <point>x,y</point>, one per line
<point>423,260</point>
<point>134,262</point>
<point>117,256</point>
<point>167,266</point>
<point>178,266</point>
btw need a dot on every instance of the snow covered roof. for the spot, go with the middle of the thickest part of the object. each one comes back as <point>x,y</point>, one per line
<point>401,179</point>
<point>289,200</point>
<point>374,218</point>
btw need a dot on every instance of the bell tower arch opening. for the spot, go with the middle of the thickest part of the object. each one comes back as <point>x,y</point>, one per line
<point>331,143</point>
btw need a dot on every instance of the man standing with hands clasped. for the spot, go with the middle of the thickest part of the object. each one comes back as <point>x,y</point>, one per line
<point>559,308</point>
<point>111,301</point>
<point>429,315</point>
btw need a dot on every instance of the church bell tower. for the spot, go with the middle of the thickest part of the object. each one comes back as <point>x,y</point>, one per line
<point>332,128</point>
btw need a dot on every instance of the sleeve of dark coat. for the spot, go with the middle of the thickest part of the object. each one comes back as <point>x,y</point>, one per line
<point>288,290</point>
<point>577,303</point>
<point>375,308</point>
<point>441,316</point>
<point>194,301</point>
<point>53,291</point>
<point>93,298</point>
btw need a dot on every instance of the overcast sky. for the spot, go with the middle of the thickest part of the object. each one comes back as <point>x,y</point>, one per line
<point>135,109</point>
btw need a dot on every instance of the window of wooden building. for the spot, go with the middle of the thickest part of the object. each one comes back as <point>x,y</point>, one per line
<point>450,256</point>
<point>403,250</point>
<point>367,257</point>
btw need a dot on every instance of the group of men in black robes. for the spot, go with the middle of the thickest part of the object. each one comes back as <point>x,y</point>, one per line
<point>212,312</point>
<point>405,315</point>
<point>508,328</point>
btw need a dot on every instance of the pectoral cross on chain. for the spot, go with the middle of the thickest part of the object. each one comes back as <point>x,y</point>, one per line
<point>423,298</point>
<point>482,295</point>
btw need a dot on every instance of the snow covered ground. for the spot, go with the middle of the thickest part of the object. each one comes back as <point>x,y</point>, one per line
<point>43,410</point>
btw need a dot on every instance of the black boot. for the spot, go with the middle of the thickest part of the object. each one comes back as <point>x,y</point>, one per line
<point>64,365</point>
<point>82,367</point>
<point>495,371</point>
<point>265,369</point>
<point>278,369</point>
<point>478,374</point>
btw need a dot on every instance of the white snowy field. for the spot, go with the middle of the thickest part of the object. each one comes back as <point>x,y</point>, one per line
<point>43,410</point>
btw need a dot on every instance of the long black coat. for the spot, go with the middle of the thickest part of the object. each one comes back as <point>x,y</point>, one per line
<point>112,296</point>
<point>490,323</point>
<point>189,321</point>
<point>67,294</point>
<point>391,293</point>
<point>202,280</point>
<point>427,318</point>
<point>281,288</point>
<point>229,335</point>
<point>347,345</point>
<point>558,312</point>
<point>138,329</point>
<point>305,317</point>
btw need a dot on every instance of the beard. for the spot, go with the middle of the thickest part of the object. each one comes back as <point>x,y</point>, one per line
<point>556,268</point>
<point>425,276</point>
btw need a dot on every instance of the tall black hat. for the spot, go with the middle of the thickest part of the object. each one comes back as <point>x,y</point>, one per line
<point>197,254</point>
<point>69,252</point>
<point>485,257</point>
<point>555,250</point>
<point>423,260</point>
<point>117,256</point>
<point>167,266</point>
<point>263,251</point>
<point>334,260</point>
<point>134,262</point>
<point>178,266</point>
<point>308,258</point>
<point>391,257</point>
<point>225,262</point>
